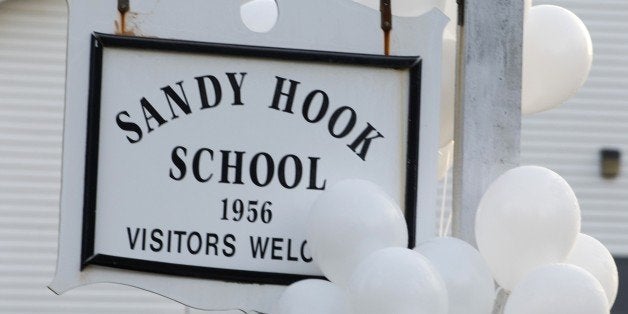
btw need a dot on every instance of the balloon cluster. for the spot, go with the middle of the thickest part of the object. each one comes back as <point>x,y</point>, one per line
<point>527,228</point>
<point>358,237</point>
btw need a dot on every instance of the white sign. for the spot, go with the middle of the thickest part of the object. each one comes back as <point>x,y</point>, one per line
<point>208,166</point>
<point>199,159</point>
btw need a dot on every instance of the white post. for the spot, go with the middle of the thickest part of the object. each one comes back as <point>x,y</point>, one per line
<point>488,104</point>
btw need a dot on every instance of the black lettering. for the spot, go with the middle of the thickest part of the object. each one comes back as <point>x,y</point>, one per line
<point>169,240</point>
<point>365,141</point>
<point>313,175</point>
<point>276,247</point>
<point>298,171</point>
<point>182,103</point>
<point>179,163</point>
<point>229,242</point>
<point>257,248</point>
<point>132,240</point>
<point>334,120</point>
<point>289,255</point>
<point>179,235</point>
<point>129,126</point>
<point>237,87</point>
<point>270,169</point>
<point>202,89</point>
<point>211,241</point>
<point>191,248</point>
<point>143,239</point>
<point>151,113</point>
<point>156,240</point>
<point>196,164</point>
<point>279,93</point>
<point>305,258</point>
<point>226,166</point>
<point>321,111</point>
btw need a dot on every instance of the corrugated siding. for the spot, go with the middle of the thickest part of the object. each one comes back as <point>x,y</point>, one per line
<point>32,75</point>
<point>568,139</point>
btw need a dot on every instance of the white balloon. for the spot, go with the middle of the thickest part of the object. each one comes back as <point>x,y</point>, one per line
<point>595,258</point>
<point>557,56</point>
<point>399,281</point>
<point>259,15</point>
<point>313,297</point>
<point>445,159</point>
<point>527,218</point>
<point>470,286</point>
<point>406,7</point>
<point>527,5</point>
<point>448,90</point>
<point>558,289</point>
<point>351,220</point>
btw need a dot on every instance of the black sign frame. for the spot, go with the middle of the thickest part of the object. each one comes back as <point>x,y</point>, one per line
<point>101,41</point>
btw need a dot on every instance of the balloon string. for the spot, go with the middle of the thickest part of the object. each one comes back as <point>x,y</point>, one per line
<point>442,231</point>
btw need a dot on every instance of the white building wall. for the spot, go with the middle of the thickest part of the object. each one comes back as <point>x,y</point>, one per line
<point>568,139</point>
<point>32,78</point>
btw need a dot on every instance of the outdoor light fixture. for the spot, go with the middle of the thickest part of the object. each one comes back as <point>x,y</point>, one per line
<point>610,163</point>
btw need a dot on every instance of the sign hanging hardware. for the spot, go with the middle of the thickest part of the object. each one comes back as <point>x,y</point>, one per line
<point>124,7</point>
<point>386,10</point>
<point>460,12</point>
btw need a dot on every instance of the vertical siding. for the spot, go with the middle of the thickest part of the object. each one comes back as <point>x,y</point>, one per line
<point>568,139</point>
<point>32,76</point>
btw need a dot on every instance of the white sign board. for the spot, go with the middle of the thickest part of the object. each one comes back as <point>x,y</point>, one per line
<point>205,159</point>
<point>191,161</point>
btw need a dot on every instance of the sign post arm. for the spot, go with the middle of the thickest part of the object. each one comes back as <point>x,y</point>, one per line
<point>488,103</point>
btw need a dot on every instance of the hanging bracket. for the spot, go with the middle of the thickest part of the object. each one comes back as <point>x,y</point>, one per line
<point>386,10</point>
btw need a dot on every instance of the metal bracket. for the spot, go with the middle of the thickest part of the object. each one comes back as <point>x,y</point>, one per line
<point>386,10</point>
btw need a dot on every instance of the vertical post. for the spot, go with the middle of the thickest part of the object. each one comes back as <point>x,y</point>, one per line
<point>488,102</point>
<point>488,105</point>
